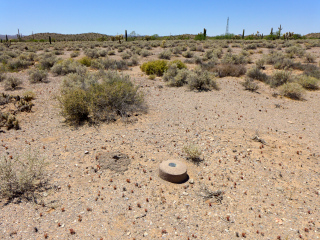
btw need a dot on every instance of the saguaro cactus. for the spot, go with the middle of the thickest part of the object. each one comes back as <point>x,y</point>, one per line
<point>50,39</point>
<point>271,33</point>
<point>280,28</point>
<point>243,34</point>
<point>6,38</point>
<point>205,33</point>
<point>126,35</point>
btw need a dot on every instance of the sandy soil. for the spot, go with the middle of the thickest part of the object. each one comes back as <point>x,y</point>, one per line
<point>241,189</point>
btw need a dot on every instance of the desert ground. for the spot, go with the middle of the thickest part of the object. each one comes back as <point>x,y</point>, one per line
<point>257,176</point>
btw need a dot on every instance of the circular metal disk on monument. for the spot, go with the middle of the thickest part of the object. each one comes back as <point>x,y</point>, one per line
<point>173,171</point>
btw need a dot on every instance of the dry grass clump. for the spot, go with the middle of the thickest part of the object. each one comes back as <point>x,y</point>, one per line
<point>37,75</point>
<point>292,90</point>
<point>84,97</point>
<point>11,83</point>
<point>193,152</point>
<point>21,177</point>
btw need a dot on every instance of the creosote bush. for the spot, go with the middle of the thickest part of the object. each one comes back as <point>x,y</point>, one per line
<point>157,67</point>
<point>21,177</point>
<point>292,90</point>
<point>85,61</point>
<point>100,97</point>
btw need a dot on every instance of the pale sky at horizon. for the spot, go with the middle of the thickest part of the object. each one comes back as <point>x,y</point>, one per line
<point>158,17</point>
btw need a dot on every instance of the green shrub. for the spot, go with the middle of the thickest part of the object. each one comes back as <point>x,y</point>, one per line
<point>37,75</point>
<point>279,78</point>
<point>11,83</point>
<point>74,104</point>
<point>21,177</point>
<point>250,85</point>
<point>201,80</point>
<point>84,97</point>
<point>152,77</point>
<point>292,90</point>
<point>157,67</point>
<point>180,65</point>
<point>308,82</point>
<point>256,73</point>
<point>126,55</point>
<point>232,70</point>
<point>85,61</point>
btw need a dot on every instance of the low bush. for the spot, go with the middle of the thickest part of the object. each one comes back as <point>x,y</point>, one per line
<point>2,76</point>
<point>8,121</point>
<point>234,59</point>
<point>188,54</point>
<point>37,75</point>
<point>17,64</point>
<point>279,78</point>
<point>85,61</point>
<point>232,70</point>
<point>165,54</point>
<point>250,85</point>
<point>157,67</point>
<point>84,97</point>
<point>75,54</point>
<point>21,177</point>
<point>257,74</point>
<point>201,80</point>
<point>11,83</point>
<point>92,53</point>
<point>308,82</point>
<point>311,70</point>
<point>66,66</point>
<point>47,61</point>
<point>292,90</point>
<point>310,58</point>
<point>180,79</point>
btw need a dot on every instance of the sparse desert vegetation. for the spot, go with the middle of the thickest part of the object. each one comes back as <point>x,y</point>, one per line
<point>102,115</point>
